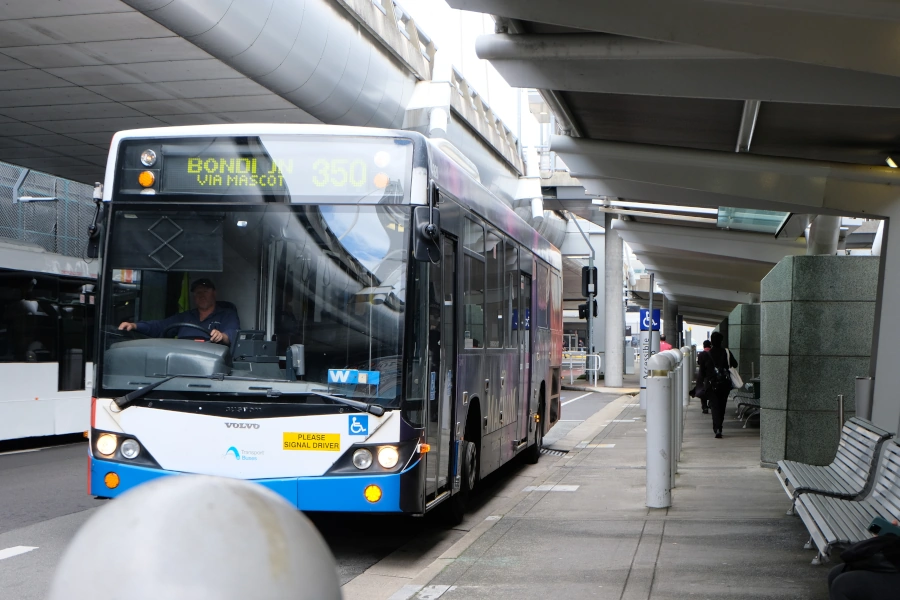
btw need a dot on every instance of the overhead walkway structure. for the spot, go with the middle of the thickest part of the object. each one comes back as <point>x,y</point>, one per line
<point>701,103</point>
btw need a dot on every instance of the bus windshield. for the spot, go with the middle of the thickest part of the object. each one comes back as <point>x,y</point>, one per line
<point>325,281</point>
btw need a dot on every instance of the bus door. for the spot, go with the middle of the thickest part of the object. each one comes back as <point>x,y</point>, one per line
<point>441,371</point>
<point>526,419</point>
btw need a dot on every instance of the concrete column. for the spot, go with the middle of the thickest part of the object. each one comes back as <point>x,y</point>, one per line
<point>886,402</point>
<point>614,306</point>
<point>823,236</point>
<point>670,321</point>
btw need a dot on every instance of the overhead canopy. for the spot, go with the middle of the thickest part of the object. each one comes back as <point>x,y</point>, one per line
<point>74,72</point>
<point>702,103</point>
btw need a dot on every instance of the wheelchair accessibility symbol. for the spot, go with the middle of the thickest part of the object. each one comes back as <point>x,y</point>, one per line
<point>359,425</point>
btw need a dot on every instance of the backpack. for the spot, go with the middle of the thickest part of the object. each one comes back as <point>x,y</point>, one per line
<point>721,379</point>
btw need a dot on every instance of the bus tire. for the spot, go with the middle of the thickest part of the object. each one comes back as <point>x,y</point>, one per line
<point>455,506</point>
<point>533,454</point>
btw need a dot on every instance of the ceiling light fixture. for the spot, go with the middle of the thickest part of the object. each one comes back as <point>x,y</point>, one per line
<point>890,162</point>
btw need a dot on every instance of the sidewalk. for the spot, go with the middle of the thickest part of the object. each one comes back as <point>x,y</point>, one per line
<point>585,532</point>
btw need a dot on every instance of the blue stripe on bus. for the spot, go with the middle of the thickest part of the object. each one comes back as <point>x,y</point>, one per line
<point>339,494</point>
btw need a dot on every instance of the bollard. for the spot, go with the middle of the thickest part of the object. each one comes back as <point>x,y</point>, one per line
<point>678,413</point>
<point>659,431</point>
<point>191,537</point>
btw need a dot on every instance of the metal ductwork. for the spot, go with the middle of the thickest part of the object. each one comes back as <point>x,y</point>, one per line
<point>307,51</point>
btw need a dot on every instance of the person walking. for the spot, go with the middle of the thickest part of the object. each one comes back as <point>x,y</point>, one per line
<point>714,373</point>
<point>700,388</point>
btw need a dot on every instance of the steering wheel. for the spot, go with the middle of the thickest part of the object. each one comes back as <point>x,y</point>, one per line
<point>180,325</point>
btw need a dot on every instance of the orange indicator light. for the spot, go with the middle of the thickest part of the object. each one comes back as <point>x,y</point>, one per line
<point>111,480</point>
<point>146,178</point>
<point>382,180</point>
<point>424,448</point>
<point>372,493</point>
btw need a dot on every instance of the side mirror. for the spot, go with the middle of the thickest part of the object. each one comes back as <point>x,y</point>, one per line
<point>95,230</point>
<point>427,234</point>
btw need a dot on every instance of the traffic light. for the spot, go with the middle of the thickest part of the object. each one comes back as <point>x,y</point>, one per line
<point>588,278</point>
<point>582,311</point>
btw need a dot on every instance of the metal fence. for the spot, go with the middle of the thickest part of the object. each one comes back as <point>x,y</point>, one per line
<point>59,224</point>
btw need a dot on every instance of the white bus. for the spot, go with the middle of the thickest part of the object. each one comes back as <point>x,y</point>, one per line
<point>399,334</point>
<point>46,341</point>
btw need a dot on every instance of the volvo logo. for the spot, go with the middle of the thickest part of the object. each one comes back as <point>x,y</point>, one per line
<point>242,425</point>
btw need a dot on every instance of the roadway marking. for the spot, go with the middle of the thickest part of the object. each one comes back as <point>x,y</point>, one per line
<point>15,551</point>
<point>550,488</point>
<point>578,398</point>
<point>22,451</point>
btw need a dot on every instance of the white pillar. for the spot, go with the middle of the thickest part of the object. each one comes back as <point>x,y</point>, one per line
<point>886,402</point>
<point>659,432</point>
<point>614,306</point>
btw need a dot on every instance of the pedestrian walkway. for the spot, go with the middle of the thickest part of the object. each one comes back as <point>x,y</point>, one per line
<point>581,528</point>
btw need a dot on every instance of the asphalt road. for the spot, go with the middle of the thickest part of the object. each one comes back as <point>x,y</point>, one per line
<point>43,502</point>
<point>576,408</point>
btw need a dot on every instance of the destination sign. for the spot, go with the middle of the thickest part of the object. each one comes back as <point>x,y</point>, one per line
<point>362,168</point>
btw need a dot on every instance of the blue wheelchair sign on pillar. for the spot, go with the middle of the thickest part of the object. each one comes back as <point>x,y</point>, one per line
<point>649,347</point>
<point>645,320</point>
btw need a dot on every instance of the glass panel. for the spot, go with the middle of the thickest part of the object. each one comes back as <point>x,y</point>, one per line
<point>29,315</point>
<point>331,278</point>
<point>473,303</point>
<point>493,307</point>
<point>745,219</point>
<point>512,301</point>
<point>473,237</point>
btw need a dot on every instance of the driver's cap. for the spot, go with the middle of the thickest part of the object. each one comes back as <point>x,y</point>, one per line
<point>192,537</point>
<point>205,282</point>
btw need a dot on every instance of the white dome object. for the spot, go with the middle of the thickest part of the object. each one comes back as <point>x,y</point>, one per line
<point>197,538</point>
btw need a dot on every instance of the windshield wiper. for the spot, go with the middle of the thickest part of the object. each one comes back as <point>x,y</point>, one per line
<point>134,395</point>
<point>372,409</point>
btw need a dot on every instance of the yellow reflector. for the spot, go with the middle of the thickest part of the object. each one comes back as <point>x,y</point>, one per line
<point>111,480</point>
<point>424,448</point>
<point>372,493</point>
<point>146,178</point>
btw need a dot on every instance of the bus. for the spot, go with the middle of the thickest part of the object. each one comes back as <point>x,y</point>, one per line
<point>400,328</point>
<point>46,341</point>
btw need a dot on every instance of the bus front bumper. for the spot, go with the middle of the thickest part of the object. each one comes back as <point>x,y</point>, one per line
<point>325,493</point>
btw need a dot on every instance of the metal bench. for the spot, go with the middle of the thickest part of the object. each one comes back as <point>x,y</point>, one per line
<point>835,521</point>
<point>848,474</point>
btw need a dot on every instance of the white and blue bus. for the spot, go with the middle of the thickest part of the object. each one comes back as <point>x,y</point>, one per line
<point>46,341</point>
<point>400,328</point>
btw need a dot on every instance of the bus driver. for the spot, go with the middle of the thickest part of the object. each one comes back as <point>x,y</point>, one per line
<point>221,321</point>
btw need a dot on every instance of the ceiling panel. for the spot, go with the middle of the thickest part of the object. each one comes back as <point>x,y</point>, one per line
<point>658,120</point>
<point>94,110</point>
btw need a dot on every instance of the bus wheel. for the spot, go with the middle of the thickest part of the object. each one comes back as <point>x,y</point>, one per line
<point>533,454</point>
<point>455,507</point>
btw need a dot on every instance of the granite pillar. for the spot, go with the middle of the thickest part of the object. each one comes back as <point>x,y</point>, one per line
<point>816,321</point>
<point>743,339</point>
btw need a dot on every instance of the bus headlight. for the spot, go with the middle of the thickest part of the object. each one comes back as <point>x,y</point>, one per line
<point>130,449</point>
<point>362,459</point>
<point>148,158</point>
<point>106,444</point>
<point>388,457</point>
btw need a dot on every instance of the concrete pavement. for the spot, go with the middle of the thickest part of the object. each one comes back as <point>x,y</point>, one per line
<point>584,531</point>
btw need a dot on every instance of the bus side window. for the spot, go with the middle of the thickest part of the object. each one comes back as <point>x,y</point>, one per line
<point>493,306</point>
<point>473,301</point>
<point>473,285</point>
<point>511,300</point>
<point>543,296</point>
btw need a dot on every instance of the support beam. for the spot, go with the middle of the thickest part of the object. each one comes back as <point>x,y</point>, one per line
<point>602,63</point>
<point>677,290</point>
<point>733,244</point>
<point>615,307</point>
<point>732,179</point>
<point>857,36</point>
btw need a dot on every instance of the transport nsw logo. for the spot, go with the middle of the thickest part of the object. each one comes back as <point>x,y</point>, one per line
<point>236,454</point>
